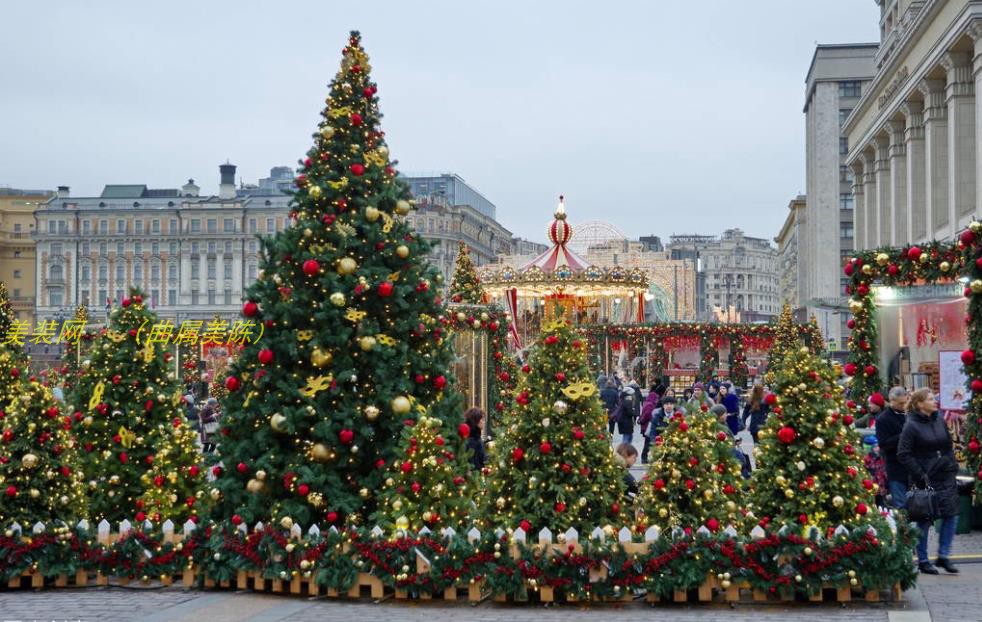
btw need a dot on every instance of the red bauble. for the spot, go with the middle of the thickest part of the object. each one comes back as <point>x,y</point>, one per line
<point>849,450</point>
<point>117,379</point>
<point>848,269</point>
<point>851,323</point>
<point>232,383</point>
<point>242,467</point>
<point>385,289</point>
<point>126,302</point>
<point>406,467</point>
<point>712,524</point>
<point>545,447</point>
<point>303,489</point>
<point>560,376</point>
<point>311,267</point>
<point>517,454</point>
<point>659,484</point>
<point>124,457</point>
<point>560,507</point>
<point>870,370</point>
<point>250,309</point>
<point>141,516</point>
<point>914,253</point>
<point>977,386</point>
<point>690,484</point>
<point>787,435</point>
<point>578,434</point>
<point>526,369</point>
<point>193,470</point>
<point>346,436</point>
<point>967,237</point>
<point>968,357</point>
<point>861,508</point>
<point>868,484</point>
<point>52,412</point>
<point>236,519</point>
<point>525,526</point>
<point>551,340</point>
<point>849,369</point>
<point>892,270</point>
<point>217,471</point>
<point>847,419</point>
<point>683,427</point>
<point>367,92</point>
<point>158,481</point>
<point>265,356</point>
<point>355,119</point>
<point>357,169</point>
<point>770,399</point>
<point>978,263</point>
<point>464,430</point>
<point>721,436</point>
<point>11,491</point>
<point>332,517</point>
<point>728,489</point>
<point>802,518</point>
<point>132,332</point>
<point>862,290</point>
<point>974,446</point>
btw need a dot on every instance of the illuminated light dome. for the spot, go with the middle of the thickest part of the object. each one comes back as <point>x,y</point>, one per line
<point>559,231</point>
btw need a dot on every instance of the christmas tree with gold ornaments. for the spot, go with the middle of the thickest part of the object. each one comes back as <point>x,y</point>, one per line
<point>786,339</point>
<point>351,344</point>
<point>40,478</point>
<point>13,361</point>
<point>552,465</point>
<point>78,346</point>
<point>465,287</point>
<point>694,477</point>
<point>809,465</point>
<point>128,402</point>
<point>428,483</point>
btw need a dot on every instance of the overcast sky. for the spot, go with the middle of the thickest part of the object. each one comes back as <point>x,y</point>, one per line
<point>660,117</point>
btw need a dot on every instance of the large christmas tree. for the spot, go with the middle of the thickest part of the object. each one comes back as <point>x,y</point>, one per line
<point>129,404</point>
<point>351,342</point>
<point>786,339</point>
<point>809,469</point>
<point>427,484</point>
<point>40,479</point>
<point>694,478</point>
<point>465,287</point>
<point>553,465</point>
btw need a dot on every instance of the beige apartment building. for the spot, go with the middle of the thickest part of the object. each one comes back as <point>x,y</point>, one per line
<point>17,247</point>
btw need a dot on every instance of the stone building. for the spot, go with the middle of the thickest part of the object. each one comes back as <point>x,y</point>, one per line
<point>789,261</point>
<point>193,255</point>
<point>914,135</point>
<point>17,247</point>
<point>837,77</point>
<point>738,272</point>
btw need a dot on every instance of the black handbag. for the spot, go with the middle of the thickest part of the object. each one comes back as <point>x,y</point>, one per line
<point>921,504</point>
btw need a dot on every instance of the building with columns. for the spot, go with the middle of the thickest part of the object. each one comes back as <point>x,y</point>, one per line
<point>789,264</point>
<point>193,255</point>
<point>913,139</point>
<point>837,77</point>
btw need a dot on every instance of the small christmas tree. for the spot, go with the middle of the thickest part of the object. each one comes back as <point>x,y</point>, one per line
<point>77,347</point>
<point>40,478</point>
<point>786,339</point>
<point>809,470</point>
<point>427,484</point>
<point>694,478</point>
<point>13,362</point>
<point>173,485</point>
<point>553,465</point>
<point>816,340</point>
<point>129,404</point>
<point>465,287</point>
<point>352,337</point>
<point>6,313</point>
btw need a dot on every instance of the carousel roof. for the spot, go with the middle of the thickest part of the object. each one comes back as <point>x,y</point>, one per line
<point>560,269</point>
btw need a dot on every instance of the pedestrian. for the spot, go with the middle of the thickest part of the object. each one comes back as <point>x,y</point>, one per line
<point>889,425</point>
<point>699,398</point>
<point>609,397</point>
<point>877,468</point>
<point>647,413</point>
<point>625,415</point>
<point>474,418</point>
<point>601,381</point>
<point>755,411</point>
<point>686,395</point>
<point>874,406</point>
<point>636,401</point>
<point>626,455</point>
<point>731,403</point>
<point>209,417</point>
<point>718,411</point>
<point>927,451</point>
<point>191,412</point>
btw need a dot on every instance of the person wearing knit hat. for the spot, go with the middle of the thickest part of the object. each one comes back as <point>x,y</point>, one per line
<point>877,400</point>
<point>699,397</point>
<point>874,406</point>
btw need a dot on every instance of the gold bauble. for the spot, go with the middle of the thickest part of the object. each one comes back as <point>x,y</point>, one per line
<point>837,501</point>
<point>29,461</point>
<point>867,269</point>
<point>337,299</point>
<point>975,226</point>
<point>402,251</point>
<point>308,232</point>
<point>286,522</point>
<point>87,421</point>
<point>372,214</point>
<point>260,475</point>
<point>215,494</point>
<point>315,499</point>
<point>882,259</point>
<point>277,421</point>
<point>327,132</point>
<point>401,405</point>
<point>321,453</point>
<point>35,493</point>
<point>367,343</point>
<point>945,266</point>
<point>347,265</point>
<point>363,493</point>
<point>855,305</point>
<point>976,286</point>
<point>371,413</point>
<point>662,512</point>
<point>500,502</point>
<point>924,258</point>
<point>427,515</point>
<point>254,485</point>
<point>403,207</point>
<point>314,192</point>
<point>320,358</point>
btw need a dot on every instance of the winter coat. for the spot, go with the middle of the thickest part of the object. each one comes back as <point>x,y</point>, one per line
<point>757,417</point>
<point>648,411</point>
<point>695,404</point>
<point>609,397</point>
<point>927,452</point>
<point>630,484</point>
<point>476,446</point>
<point>659,421</point>
<point>732,403</point>
<point>206,415</point>
<point>889,425</point>
<point>625,415</point>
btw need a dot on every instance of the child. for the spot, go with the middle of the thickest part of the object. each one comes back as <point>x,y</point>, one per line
<point>626,454</point>
<point>877,469</point>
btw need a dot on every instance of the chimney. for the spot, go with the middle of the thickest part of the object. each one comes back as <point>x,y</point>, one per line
<point>63,192</point>
<point>190,189</point>
<point>226,190</point>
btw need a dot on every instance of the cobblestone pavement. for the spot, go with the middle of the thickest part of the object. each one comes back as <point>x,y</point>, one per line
<point>954,598</point>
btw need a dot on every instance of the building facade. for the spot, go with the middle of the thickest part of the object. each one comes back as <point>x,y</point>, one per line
<point>913,137</point>
<point>17,260</point>
<point>789,266</point>
<point>837,77</point>
<point>192,255</point>
<point>453,188</point>
<point>738,272</point>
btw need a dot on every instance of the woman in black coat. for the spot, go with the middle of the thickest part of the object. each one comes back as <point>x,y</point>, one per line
<point>926,450</point>
<point>475,421</point>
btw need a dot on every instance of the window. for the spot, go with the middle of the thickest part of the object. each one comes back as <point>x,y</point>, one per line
<point>103,273</point>
<point>56,249</point>
<point>120,272</point>
<point>85,297</point>
<point>138,272</point>
<point>103,296</point>
<point>251,273</point>
<point>85,227</point>
<point>62,226</point>
<point>56,273</point>
<point>252,225</point>
<point>86,273</point>
<point>154,297</point>
<point>195,270</point>
<point>155,272</point>
<point>211,297</point>
<point>17,227</point>
<point>253,246</point>
<point>194,248</point>
<point>212,247</point>
<point>103,248</point>
<point>172,297</point>
<point>845,230</point>
<point>843,145</point>
<point>120,226</point>
<point>104,227</point>
<point>194,297</point>
<point>55,296</point>
<point>845,200</point>
<point>269,226</point>
<point>120,250</point>
<point>845,174</point>
<point>212,225</point>
<point>228,248</point>
<point>139,227</point>
<point>155,249</point>
<point>173,226</point>
<point>850,88</point>
<point>227,267</point>
<point>195,225</point>
<point>172,248</point>
<point>172,272</point>
<point>85,248</point>
<point>228,296</point>
<point>16,274</point>
<point>229,225</point>
<point>155,226</point>
<point>843,115</point>
<point>211,268</point>
<point>137,248</point>
<point>52,226</point>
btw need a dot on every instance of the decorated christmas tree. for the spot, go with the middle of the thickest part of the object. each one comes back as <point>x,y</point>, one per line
<point>352,341</point>
<point>786,339</point>
<point>553,465</point>
<point>465,287</point>
<point>129,404</point>
<point>815,339</point>
<point>174,484</point>
<point>77,347</point>
<point>427,484</point>
<point>13,361</point>
<point>6,312</point>
<point>809,469</point>
<point>40,479</point>
<point>694,478</point>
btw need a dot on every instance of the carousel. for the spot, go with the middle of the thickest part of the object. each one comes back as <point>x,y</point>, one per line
<point>559,282</point>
